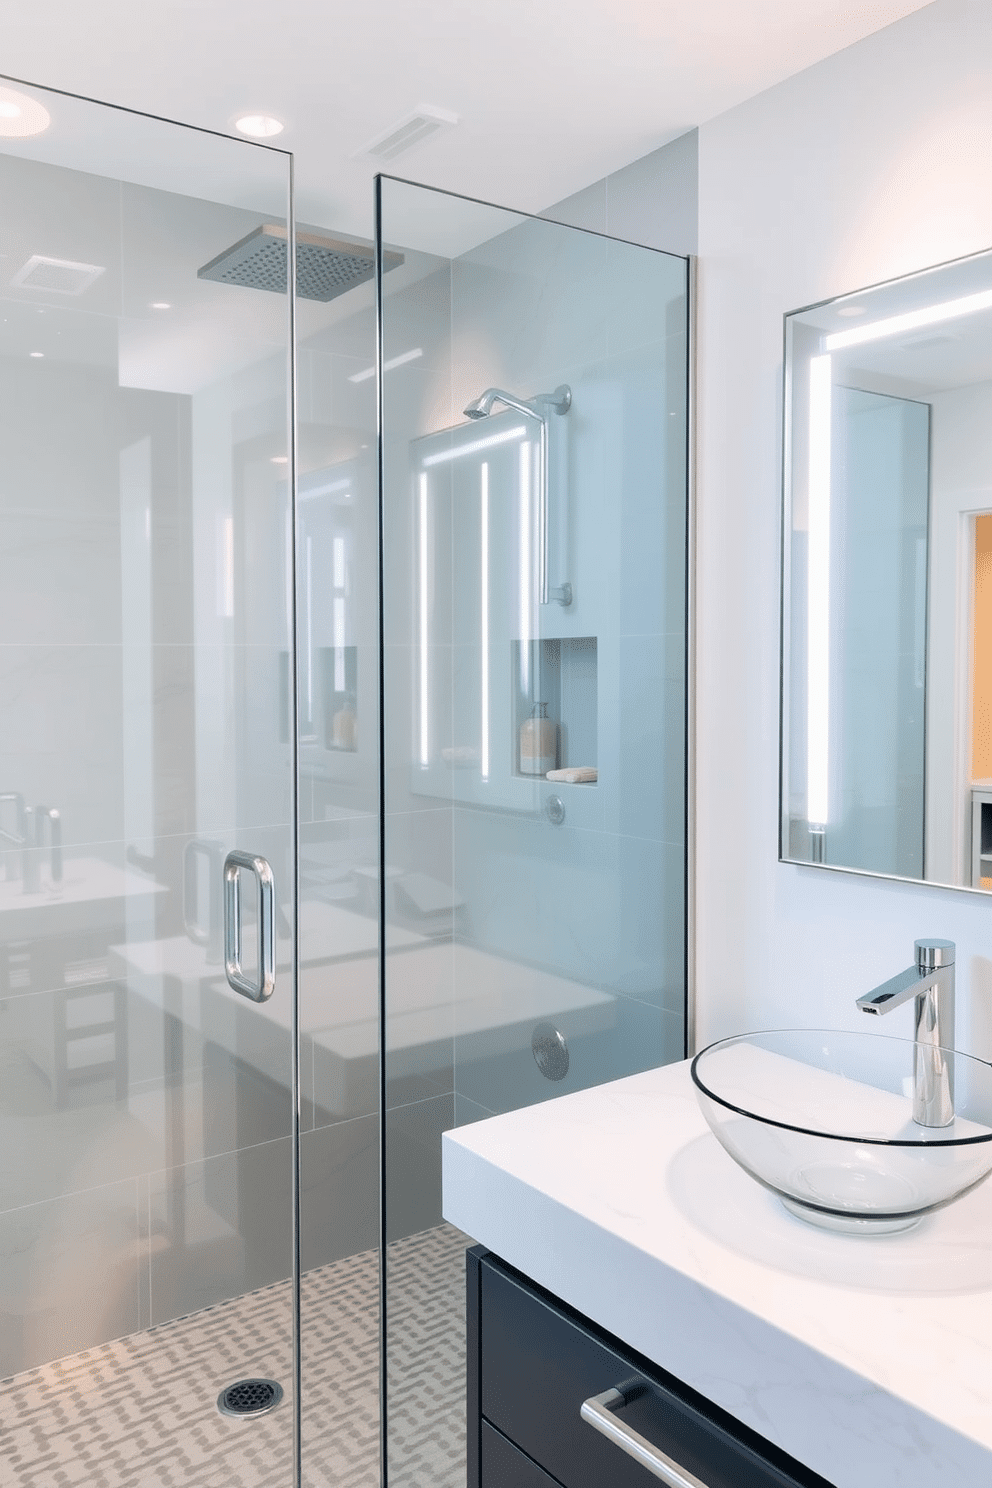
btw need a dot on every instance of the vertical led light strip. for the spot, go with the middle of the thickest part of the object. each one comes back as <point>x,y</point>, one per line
<point>310,631</point>
<point>484,615</point>
<point>339,614</point>
<point>818,593</point>
<point>339,631</point>
<point>526,575</point>
<point>225,566</point>
<point>424,698</point>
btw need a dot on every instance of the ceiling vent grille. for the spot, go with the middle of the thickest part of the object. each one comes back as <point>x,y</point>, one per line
<point>411,130</point>
<point>56,275</point>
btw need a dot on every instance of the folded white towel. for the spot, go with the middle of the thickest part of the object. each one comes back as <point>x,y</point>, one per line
<point>574,774</point>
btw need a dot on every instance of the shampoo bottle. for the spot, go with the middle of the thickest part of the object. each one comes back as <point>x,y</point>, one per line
<point>538,742</point>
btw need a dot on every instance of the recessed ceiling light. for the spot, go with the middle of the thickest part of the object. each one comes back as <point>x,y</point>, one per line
<point>21,115</point>
<point>160,305</point>
<point>847,310</point>
<point>36,353</point>
<point>259,126</point>
<point>279,460</point>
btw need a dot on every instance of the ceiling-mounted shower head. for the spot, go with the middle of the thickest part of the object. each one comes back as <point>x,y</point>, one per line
<point>560,401</point>
<point>325,267</point>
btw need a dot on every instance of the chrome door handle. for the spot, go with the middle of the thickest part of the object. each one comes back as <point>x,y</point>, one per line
<point>598,1412</point>
<point>263,989</point>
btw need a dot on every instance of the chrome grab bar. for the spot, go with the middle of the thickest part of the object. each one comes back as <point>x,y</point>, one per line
<point>598,1410</point>
<point>263,989</point>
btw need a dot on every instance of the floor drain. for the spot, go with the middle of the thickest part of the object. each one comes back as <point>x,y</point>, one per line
<point>249,1397</point>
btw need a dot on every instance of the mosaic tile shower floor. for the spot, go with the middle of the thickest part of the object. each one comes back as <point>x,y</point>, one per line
<point>141,1412</point>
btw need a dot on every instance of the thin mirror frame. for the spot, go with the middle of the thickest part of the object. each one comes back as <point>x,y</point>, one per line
<point>786,580</point>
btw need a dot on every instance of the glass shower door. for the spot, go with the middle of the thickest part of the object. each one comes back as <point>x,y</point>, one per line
<point>146,1097</point>
<point>534,535</point>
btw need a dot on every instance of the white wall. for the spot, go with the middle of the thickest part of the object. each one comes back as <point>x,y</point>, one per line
<point>871,164</point>
<point>651,201</point>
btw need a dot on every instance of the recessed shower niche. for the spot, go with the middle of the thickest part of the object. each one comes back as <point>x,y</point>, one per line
<point>555,695</point>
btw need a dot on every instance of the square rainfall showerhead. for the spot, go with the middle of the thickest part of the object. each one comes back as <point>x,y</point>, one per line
<point>325,267</point>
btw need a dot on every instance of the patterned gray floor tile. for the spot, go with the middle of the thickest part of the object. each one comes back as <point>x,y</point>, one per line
<point>141,1412</point>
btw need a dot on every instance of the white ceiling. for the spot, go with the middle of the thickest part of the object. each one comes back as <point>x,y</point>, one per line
<point>551,94</point>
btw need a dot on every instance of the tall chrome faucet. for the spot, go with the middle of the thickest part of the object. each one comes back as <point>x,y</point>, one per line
<point>931,982</point>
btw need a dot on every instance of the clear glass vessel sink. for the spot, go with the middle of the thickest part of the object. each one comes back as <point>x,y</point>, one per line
<point>825,1120</point>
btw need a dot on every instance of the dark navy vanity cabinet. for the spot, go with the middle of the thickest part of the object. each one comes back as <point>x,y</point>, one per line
<point>532,1362</point>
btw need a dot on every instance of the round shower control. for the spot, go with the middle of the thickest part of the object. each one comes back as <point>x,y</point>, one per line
<point>555,807</point>
<point>550,1050</point>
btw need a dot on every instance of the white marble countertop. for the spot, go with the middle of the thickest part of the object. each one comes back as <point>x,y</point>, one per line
<point>868,1359</point>
<point>89,896</point>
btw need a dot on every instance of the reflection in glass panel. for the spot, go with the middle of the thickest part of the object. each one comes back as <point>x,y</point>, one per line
<point>859,565</point>
<point>145,1107</point>
<point>885,693</point>
<point>534,509</point>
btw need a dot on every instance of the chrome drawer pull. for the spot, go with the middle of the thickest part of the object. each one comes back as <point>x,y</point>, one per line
<point>598,1412</point>
<point>261,990</point>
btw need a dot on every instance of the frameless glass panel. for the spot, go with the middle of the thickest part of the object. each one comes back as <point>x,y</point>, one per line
<point>338,686</point>
<point>145,1106</point>
<point>534,539</point>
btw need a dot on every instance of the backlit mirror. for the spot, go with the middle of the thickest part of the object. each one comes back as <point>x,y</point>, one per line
<point>887,579</point>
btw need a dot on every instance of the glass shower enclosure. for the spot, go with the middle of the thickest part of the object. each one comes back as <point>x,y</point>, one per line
<point>147,1176</point>
<point>534,456</point>
<point>317,570</point>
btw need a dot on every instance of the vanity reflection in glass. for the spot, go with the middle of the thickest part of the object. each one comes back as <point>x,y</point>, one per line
<point>887,579</point>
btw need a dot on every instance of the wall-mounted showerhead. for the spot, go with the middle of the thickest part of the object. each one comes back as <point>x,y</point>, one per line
<point>481,407</point>
<point>559,401</point>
